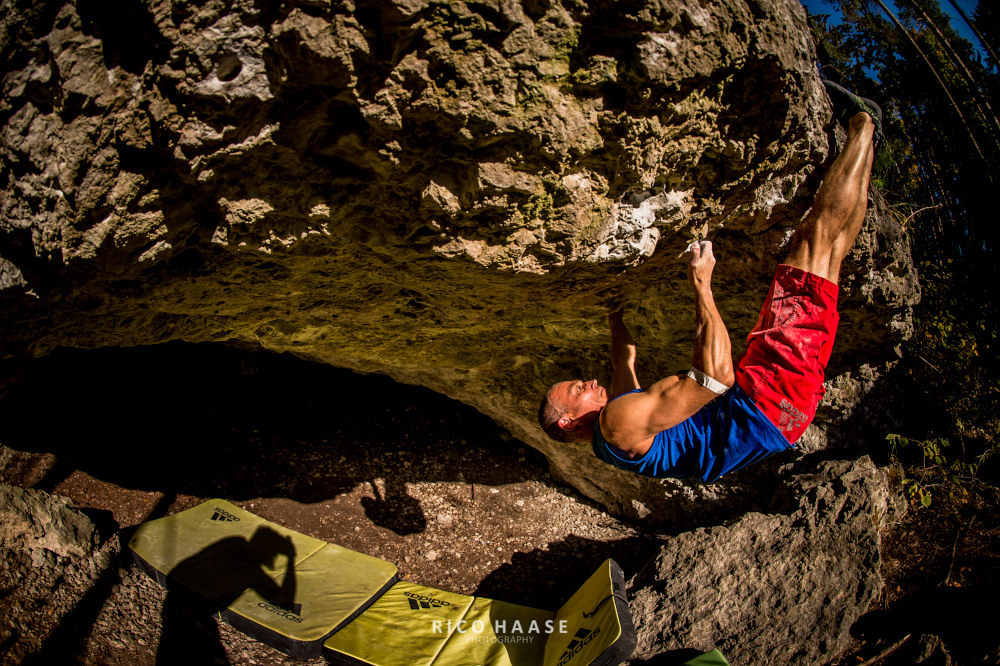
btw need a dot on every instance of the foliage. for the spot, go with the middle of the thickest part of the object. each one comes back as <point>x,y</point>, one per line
<point>939,166</point>
<point>955,343</point>
<point>934,471</point>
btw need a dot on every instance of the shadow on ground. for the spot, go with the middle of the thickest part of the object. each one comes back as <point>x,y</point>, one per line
<point>165,427</point>
<point>964,633</point>
<point>561,569</point>
<point>209,420</point>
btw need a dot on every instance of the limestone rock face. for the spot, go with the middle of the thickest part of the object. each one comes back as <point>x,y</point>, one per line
<point>449,193</point>
<point>780,588</point>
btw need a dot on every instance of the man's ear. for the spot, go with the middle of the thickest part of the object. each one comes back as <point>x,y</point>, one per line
<point>565,423</point>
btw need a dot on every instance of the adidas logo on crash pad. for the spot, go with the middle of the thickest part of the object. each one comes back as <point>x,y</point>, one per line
<point>420,601</point>
<point>292,612</point>
<point>224,516</point>
<point>582,637</point>
<point>417,605</point>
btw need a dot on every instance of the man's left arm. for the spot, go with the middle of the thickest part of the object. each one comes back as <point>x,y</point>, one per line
<point>623,348</point>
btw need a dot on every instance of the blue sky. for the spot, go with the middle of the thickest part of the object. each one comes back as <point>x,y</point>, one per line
<point>957,24</point>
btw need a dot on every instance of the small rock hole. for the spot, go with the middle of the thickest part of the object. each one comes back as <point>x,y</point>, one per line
<point>229,67</point>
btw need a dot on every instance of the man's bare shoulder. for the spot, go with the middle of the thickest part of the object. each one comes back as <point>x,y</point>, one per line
<point>625,423</point>
<point>636,416</point>
<point>628,416</point>
<point>637,399</point>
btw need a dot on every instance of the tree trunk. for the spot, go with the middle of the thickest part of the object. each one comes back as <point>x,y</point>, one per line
<point>974,87</point>
<point>940,81</point>
<point>979,35</point>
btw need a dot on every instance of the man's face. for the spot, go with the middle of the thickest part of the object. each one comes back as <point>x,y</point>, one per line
<point>579,397</point>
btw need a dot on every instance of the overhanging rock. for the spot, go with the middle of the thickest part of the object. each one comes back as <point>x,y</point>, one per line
<point>449,193</point>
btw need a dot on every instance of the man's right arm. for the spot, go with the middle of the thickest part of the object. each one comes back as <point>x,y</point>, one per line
<point>634,420</point>
<point>713,353</point>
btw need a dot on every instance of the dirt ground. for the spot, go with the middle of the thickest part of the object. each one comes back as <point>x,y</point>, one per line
<point>941,565</point>
<point>397,472</point>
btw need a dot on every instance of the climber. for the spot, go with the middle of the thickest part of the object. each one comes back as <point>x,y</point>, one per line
<point>717,418</point>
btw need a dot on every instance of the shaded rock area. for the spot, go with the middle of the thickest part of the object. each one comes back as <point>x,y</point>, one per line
<point>43,526</point>
<point>448,193</point>
<point>52,558</point>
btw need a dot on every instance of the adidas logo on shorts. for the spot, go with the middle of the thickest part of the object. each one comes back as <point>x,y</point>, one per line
<point>791,418</point>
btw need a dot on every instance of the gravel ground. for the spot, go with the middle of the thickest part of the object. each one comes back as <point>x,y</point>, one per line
<point>393,471</point>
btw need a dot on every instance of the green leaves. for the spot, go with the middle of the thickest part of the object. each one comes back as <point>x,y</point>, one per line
<point>934,472</point>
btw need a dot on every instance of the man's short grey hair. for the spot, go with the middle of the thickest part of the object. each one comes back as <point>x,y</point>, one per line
<point>549,413</point>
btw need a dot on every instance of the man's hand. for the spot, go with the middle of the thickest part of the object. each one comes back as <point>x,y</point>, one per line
<point>622,344</point>
<point>616,322</point>
<point>701,265</point>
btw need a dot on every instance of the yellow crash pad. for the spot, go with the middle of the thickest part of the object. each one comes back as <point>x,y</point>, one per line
<point>413,625</point>
<point>284,588</point>
<point>307,597</point>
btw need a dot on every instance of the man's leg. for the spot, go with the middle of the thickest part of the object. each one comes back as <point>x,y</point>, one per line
<point>826,235</point>
<point>789,348</point>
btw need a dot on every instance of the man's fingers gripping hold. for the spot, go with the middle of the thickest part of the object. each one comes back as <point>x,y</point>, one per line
<point>702,262</point>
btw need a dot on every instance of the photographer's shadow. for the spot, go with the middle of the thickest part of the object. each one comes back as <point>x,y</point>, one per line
<point>221,573</point>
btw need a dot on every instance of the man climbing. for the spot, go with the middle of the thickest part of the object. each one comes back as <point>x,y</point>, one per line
<point>717,418</point>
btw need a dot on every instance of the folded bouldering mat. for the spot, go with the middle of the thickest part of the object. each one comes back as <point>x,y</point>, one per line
<point>283,588</point>
<point>305,597</point>
<point>413,625</point>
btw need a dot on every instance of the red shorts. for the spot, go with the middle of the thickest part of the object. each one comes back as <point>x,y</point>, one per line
<point>789,348</point>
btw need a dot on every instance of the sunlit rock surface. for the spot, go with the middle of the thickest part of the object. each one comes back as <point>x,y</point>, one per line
<point>448,193</point>
<point>773,588</point>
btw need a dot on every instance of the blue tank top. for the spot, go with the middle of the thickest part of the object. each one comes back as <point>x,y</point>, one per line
<point>726,434</point>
